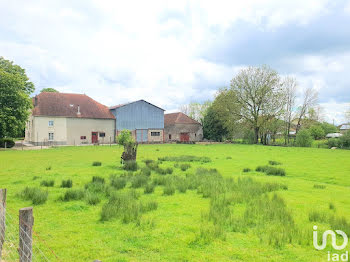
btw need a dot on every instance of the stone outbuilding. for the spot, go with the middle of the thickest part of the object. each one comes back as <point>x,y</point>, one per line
<point>179,127</point>
<point>69,119</point>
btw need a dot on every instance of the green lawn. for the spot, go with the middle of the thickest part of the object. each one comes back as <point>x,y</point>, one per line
<point>172,232</point>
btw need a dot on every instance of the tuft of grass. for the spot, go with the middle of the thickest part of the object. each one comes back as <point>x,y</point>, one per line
<point>98,179</point>
<point>92,198</point>
<point>149,206</point>
<point>97,185</point>
<point>36,177</point>
<point>228,157</point>
<point>185,158</point>
<point>182,185</point>
<point>159,181</point>
<point>118,182</point>
<point>67,183</point>
<point>331,206</point>
<point>73,194</point>
<point>96,163</point>
<point>146,171</point>
<point>36,195</point>
<point>246,170</point>
<point>185,166</point>
<point>48,168</point>
<point>130,165</point>
<point>274,163</point>
<point>169,189</point>
<point>317,186</point>
<point>271,171</point>
<point>149,188</point>
<point>318,216</point>
<point>47,183</point>
<point>139,181</point>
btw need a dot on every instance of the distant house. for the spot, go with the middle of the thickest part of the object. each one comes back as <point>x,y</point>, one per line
<point>68,119</point>
<point>344,128</point>
<point>143,119</point>
<point>180,127</point>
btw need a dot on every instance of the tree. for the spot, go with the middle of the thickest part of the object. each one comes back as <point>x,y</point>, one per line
<point>15,101</point>
<point>49,89</point>
<point>130,146</point>
<point>328,128</point>
<point>310,98</point>
<point>195,110</point>
<point>290,85</point>
<point>304,138</point>
<point>317,132</point>
<point>213,128</point>
<point>259,96</point>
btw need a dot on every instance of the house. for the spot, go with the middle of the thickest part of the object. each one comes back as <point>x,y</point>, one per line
<point>180,127</point>
<point>69,119</point>
<point>143,119</point>
<point>344,128</point>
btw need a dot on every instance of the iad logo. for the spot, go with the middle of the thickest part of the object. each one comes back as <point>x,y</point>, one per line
<point>335,256</point>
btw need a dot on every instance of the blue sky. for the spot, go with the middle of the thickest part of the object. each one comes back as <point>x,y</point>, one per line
<point>174,52</point>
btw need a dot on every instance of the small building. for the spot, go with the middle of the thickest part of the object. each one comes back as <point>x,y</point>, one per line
<point>344,128</point>
<point>179,127</point>
<point>69,119</point>
<point>143,119</point>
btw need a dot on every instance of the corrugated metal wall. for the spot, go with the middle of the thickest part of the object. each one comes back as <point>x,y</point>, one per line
<point>139,115</point>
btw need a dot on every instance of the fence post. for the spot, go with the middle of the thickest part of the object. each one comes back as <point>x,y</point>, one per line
<point>26,221</point>
<point>2,218</point>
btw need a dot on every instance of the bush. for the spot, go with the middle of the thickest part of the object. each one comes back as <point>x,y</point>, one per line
<point>139,181</point>
<point>36,195</point>
<point>118,182</point>
<point>246,170</point>
<point>73,194</point>
<point>47,183</point>
<point>185,166</point>
<point>8,141</point>
<point>274,163</point>
<point>345,140</point>
<point>149,188</point>
<point>96,163</point>
<point>130,165</point>
<point>92,198</point>
<point>67,183</point>
<point>317,132</point>
<point>333,142</point>
<point>304,138</point>
<point>271,171</point>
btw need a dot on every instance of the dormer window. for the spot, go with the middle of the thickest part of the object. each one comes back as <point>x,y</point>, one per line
<point>51,123</point>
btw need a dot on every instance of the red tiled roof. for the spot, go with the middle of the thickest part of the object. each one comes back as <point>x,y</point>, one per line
<point>178,118</point>
<point>66,105</point>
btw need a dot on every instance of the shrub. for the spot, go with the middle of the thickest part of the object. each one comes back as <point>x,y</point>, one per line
<point>67,183</point>
<point>149,188</point>
<point>185,166</point>
<point>345,140</point>
<point>333,142</point>
<point>246,170</point>
<point>36,195</point>
<point>73,194</point>
<point>8,141</point>
<point>96,163</point>
<point>317,132</point>
<point>169,189</point>
<point>92,198</point>
<point>118,182</point>
<point>304,138</point>
<point>139,181</point>
<point>47,183</point>
<point>274,163</point>
<point>130,165</point>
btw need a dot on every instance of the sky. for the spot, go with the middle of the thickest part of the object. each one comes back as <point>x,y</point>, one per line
<point>171,53</point>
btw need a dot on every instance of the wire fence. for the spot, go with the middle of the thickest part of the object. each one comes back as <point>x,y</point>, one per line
<point>18,240</point>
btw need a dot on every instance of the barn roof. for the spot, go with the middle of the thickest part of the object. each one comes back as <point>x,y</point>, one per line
<point>66,105</point>
<point>345,127</point>
<point>121,105</point>
<point>178,118</point>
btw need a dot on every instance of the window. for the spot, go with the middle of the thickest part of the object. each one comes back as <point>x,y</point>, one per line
<point>169,136</point>
<point>50,136</point>
<point>155,133</point>
<point>102,134</point>
<point>51,123</point>
<point>83,137</point>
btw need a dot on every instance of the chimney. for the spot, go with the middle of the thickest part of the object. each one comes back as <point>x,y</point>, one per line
<point>78,113</point>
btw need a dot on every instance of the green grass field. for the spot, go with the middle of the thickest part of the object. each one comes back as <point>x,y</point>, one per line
<point>179,229</point>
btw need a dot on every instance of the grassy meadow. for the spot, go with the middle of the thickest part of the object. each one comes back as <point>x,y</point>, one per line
<point>181,208</point>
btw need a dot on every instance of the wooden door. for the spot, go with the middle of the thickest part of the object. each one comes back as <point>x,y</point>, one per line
<point>184,137</point>
<point>94,137</point>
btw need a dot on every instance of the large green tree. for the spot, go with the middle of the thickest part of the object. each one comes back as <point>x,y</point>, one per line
<point>15,101</point>
<point>213,127</point>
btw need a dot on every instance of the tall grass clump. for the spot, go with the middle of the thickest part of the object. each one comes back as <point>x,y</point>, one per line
<point>73,194</point>
<point>271,171</point>
<point>149,188</point>
<point>146,171</point>
<point>96,163</point>
<point>185,158</point>
<point>130,165</point>
<point>169,188</point>
<point>92,198</point>
<point>246,170</point>
<point>317,186</point>
<point>139,181</point>
<point>185,166</point>
<point>318,216</point>
<point>97,185</point>
<point>274,163</point>
<point>67,183</point>
<point>36,195</point>
<point>118,182</point>
<point>47,183</point>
